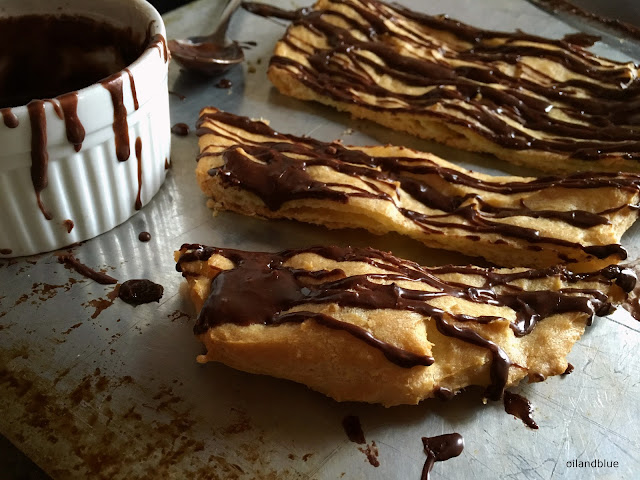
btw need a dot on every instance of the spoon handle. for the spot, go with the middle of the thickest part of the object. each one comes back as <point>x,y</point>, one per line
<point>225,16</point>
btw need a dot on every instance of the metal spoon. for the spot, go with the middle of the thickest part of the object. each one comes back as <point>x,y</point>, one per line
<point>210,54</point>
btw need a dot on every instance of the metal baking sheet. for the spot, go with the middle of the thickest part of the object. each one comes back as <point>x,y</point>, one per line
<point>92,386</point>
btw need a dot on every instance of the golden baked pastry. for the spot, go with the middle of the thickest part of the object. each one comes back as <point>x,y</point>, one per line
<point>548,104</point>
<point>577,219</point>
<point>363,325</point>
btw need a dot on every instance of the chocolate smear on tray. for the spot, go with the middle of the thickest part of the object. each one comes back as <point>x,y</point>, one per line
<point>68,225</point>
<point>138,204</point>
<point>439,449</point>
<point>519,407</point>
<point>275,289</point>
<point>69,260</point>
<point>180,129</point>
<point>139,291</point>
<point>353,429</point>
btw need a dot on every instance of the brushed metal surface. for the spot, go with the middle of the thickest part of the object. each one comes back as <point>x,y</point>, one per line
<point>92,386</point>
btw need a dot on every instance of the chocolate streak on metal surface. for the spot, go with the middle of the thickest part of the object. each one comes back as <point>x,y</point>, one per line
<point>439,449</point>
<point>68,224</point>
<point>138,204</point>
<point>71,261</point>
<point>10,119</point>
<point>180,129</point>
<point>275,289</point>
<point>353,429</point>
<point>605,120</point>
<point>282,176</point>
<point>39,154</point>
<point>519,407</point>
<point>627,29</point>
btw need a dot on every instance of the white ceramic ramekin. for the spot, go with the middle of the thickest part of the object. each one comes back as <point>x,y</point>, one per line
<point>89,191</point>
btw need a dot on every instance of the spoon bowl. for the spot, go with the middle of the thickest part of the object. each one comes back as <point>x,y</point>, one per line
<point>210,54</point>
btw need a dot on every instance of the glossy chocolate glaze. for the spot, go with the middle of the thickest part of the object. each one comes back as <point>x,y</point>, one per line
<point>439,449</point>
<point>138,204</point>
<point>48,65</point>
<point>276,288</point>
<point>569,370</point>
<point>139,291</point>
<point>280,177</point>
<point>144,237</point>
<point>510,110</point>
<point>519,407</point>
<point>71,261</point>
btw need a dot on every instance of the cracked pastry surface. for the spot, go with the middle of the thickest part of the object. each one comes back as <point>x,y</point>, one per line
<point>578,219</point>
<point>363,325</point>
<point>548,104</point>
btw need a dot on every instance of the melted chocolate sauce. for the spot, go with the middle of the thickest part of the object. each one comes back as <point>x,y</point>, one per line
<point>68,224</point>
<point>144,236</point>
<point>439,449</point>
<point>10,119</point>
<point>281,176</point>
<point>138,204</point>
<point>5,251</point>
<point>180,129</point>
<point>519,407</point>
<point>581,39</point>
<point>43,59</point>
<point>139,291</point>
<point>132,83</point>
<point>473,91</point>
<point>179,95</point>
<point>621,27</point>
<point>276,288</point>
<point>224,83</point>
<point>100,277</point>
<point>569,369</point>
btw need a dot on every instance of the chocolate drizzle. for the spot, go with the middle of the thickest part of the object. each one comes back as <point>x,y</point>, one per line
<point>453,72</point>
<point>120,125</point>
<point>132,82</point>
<point>439,449</point>
<point>180,129</point>
<point>39,154</point>
<point>519,407</point>
<point>276,288</point>
<point>282,175</point>
<point>138,204</point>
<point>139,291</point>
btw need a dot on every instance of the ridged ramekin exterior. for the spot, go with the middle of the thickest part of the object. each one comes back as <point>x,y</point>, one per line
<point>90,191</point>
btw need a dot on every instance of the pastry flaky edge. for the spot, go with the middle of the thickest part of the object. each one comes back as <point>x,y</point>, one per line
<point>233,289</point>
<point>246,167</point>
<point>413,55</point>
